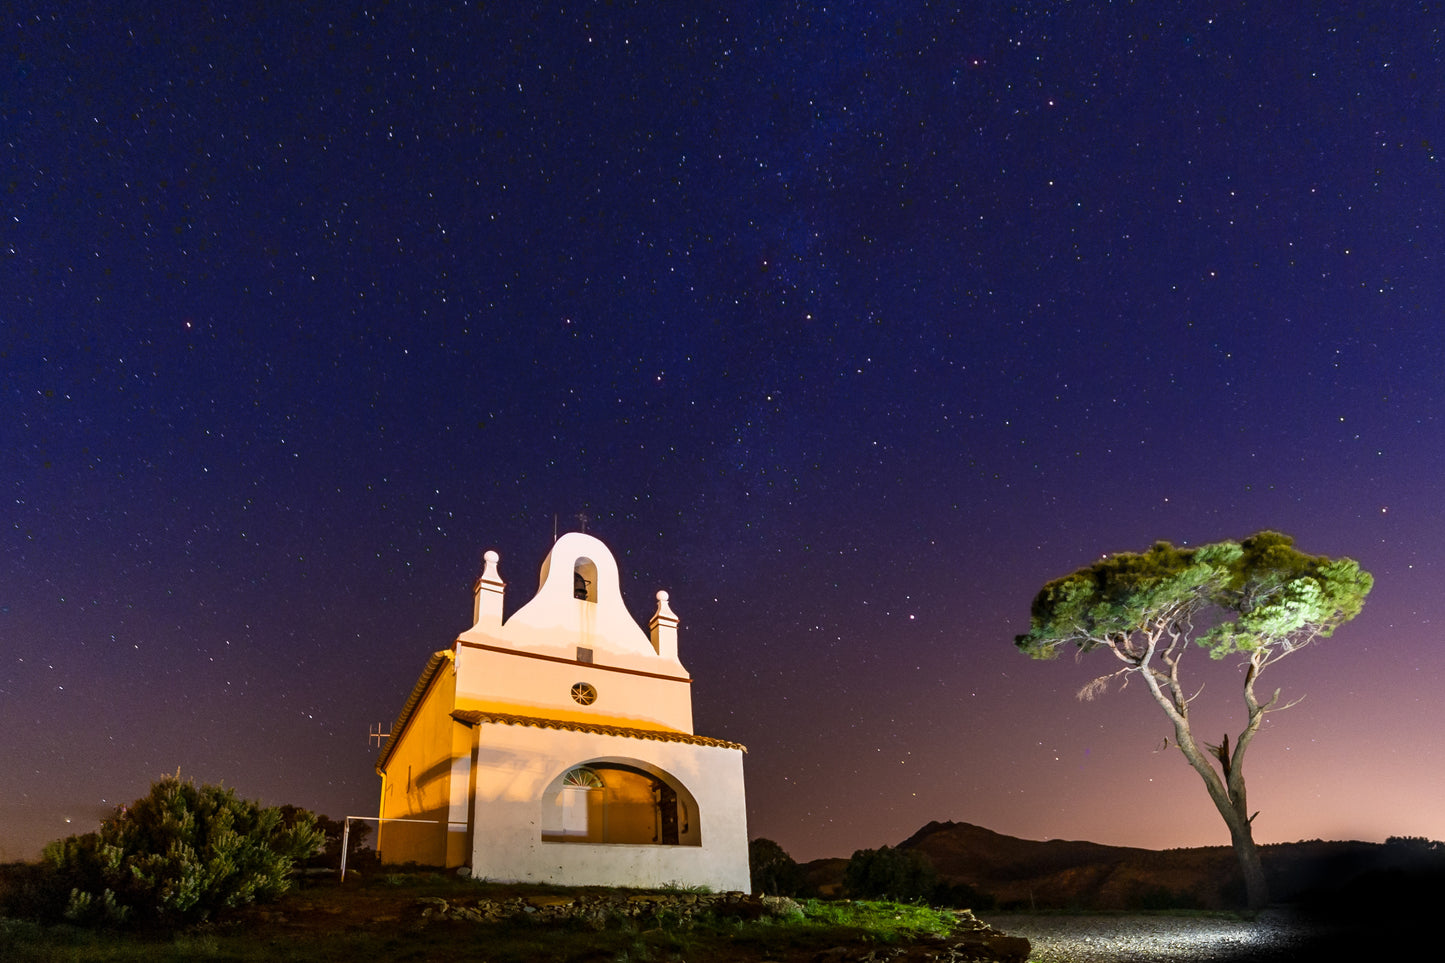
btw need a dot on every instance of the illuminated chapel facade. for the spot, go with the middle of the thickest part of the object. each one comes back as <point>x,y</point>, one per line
<point>557,746</point>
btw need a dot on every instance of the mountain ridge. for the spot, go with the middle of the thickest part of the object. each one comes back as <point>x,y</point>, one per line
<point>1015,873</point>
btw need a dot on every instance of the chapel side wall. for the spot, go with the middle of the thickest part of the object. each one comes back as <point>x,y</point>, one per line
<point>508,682</point>
<point>419,782</point>
<point>515,764</point>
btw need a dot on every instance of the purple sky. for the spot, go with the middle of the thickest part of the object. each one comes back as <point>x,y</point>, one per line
<point>849,328</point>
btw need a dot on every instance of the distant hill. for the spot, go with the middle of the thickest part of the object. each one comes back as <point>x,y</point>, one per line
<point>1018,873</point>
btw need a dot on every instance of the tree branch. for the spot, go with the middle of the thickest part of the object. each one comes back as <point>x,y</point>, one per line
<point>1099,686</point>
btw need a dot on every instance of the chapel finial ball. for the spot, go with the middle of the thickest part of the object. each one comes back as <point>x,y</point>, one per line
<point>492,556</point>
<point>661,595</point>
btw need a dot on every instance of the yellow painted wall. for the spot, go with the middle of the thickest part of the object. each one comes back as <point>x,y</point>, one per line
<point>623,809</point>
<point>631,811</point>
<point>418,781</point>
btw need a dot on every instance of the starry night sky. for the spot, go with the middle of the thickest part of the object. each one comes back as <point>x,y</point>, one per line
<point>849,327</point>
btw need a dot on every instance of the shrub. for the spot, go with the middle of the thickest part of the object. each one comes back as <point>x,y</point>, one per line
<point>961,895</point>
<point>178,855</point>
<point>358,856</point>
<point>773,871</point>
<point>897,874</point>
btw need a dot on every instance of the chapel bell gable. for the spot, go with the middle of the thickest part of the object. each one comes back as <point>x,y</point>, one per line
<point>579,607</point>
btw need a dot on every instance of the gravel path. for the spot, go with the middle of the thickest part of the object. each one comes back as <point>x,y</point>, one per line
<point>1274,935</point>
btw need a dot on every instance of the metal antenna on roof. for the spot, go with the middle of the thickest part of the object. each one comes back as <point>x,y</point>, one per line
<point>554,528</point>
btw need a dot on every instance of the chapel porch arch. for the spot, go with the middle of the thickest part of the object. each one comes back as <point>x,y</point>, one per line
<point>619,800</point>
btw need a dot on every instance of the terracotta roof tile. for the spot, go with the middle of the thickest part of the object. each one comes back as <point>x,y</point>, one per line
<point>477,717</point>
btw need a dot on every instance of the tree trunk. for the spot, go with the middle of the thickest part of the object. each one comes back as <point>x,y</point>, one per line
<point>1231,805</point>
<point>1227,792</point>
<point>1256,890</point>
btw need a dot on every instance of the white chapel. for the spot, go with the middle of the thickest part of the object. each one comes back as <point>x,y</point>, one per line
<point>557,746</point>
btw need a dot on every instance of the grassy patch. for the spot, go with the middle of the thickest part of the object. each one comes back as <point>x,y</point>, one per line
<point>878,920</point>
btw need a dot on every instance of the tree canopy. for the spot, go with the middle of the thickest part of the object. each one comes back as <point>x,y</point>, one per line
<point>1267,596</point>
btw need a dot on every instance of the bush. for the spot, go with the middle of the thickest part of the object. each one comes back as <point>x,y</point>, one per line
<point>773,871</point>
<point>961,895</point>
<point>358,856</point>
<point>903,875</point>
<point>176,856</point>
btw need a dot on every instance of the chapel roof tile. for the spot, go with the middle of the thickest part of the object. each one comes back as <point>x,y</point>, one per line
<point>478,717</point>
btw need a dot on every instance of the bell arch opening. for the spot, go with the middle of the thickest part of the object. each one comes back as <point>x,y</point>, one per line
<point>584,579</point>
<point>619,801</point>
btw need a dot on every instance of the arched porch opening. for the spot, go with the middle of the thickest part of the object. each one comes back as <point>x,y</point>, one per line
<point>619,801</point>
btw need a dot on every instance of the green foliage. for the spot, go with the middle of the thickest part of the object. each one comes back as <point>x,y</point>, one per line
<point>886,873</point>
<point>773,872</point>
<point>884,921</point>
<point>1262,592</point>
<point>178,855</point>
<point>358,856</point>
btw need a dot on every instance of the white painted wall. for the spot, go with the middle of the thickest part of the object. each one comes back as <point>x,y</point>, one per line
<point>515,764</point>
